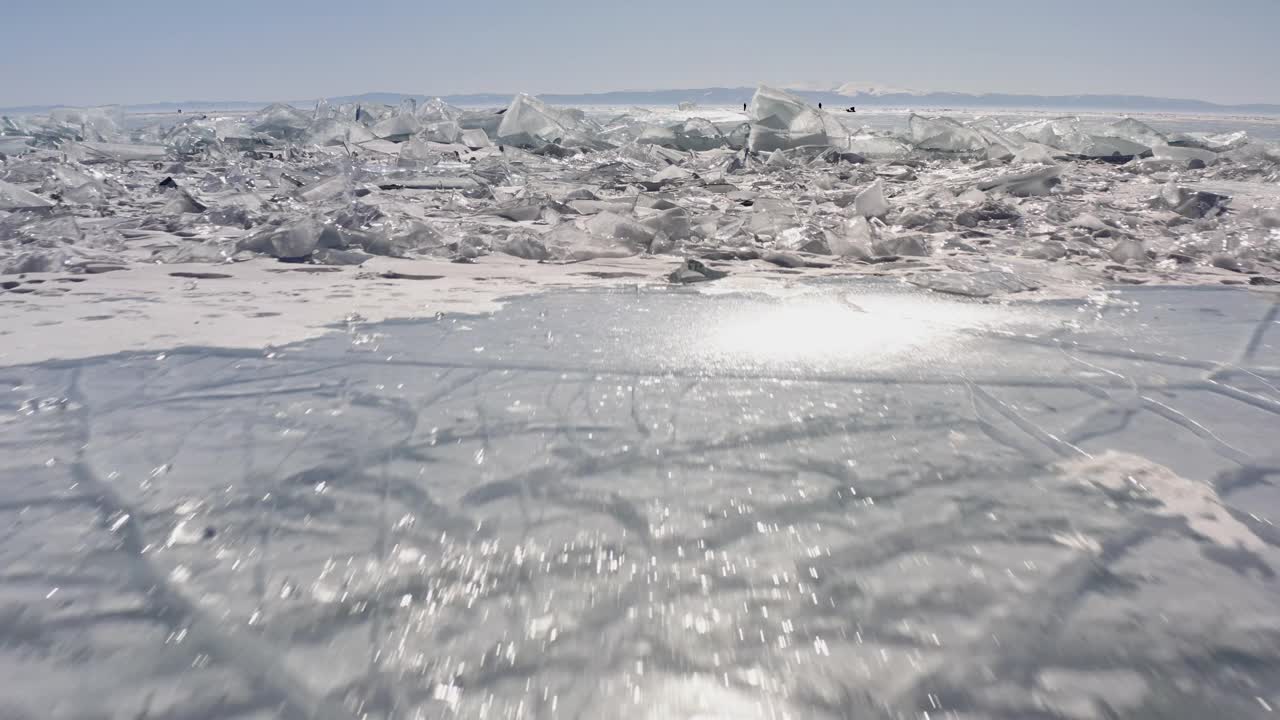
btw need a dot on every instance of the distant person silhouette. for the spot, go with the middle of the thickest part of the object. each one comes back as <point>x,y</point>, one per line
<point>744,107</point>
<point>819,106</point>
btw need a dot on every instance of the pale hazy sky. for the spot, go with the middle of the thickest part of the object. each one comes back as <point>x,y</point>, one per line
<point>133,51</point>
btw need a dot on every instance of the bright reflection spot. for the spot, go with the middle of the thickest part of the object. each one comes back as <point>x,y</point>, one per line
<point>861,330</point>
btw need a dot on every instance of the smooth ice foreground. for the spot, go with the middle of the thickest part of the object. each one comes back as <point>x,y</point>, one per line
<point>841,499</point>
<point>1083,199</point>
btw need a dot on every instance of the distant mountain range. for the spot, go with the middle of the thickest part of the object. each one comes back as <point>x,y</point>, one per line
<point>836,95</point>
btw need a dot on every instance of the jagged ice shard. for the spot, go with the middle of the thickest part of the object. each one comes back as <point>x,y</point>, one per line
<point>529,122</point>
<point>782,121</point>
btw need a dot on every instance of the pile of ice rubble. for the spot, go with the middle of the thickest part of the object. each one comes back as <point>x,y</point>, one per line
<point>949,203</point>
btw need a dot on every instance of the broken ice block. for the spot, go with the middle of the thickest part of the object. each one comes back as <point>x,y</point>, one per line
<point>1189,203</point>
<point>529,122</point>
<point>102,124</point>
<point>437,110</point>
<point>291,240</point>
<point>1208,141</point>
<point>978,284</point>
<point>326,188</point>
<point>837,155</point>
<point>446,131</point>
<point>854,239</point>
<point>913,245</point>
<point>397,128</point>
<point>1118,141</point>
<point>871,202</point>
<point>281,121</point>
<point>399,239</point>
<point>1092,223</point>
<point>521,245</point>
<point>1108,148</point>
<point>620,230</point>
<point>180,201</point>
<point>999,145</point>
<point>35,261</point>
<point>877,146</point>
<point>804,239</point>
<point>944,135</point>
<point>475,139</point>
<point>119,152</point>
<point>694,134</point>
<point>1133,131</point>
<point>1048,131</point>
<point>698,134</point>
<point>780,121</point>
<point>15,145</point>
<point>778,160</point>
<point>337,132</point>
<point>673,221</point>
<point>429,183</point>
<point>693,271</point>
<point>1027,184</point>
<point>13,197</point>
<point>485,120</point>
<point>670,175</point>
<point>657,135</point>
<point>90,193</point>
<point>568,243</point>
<point>1035,153</point>
<point>1128,250</point>
<point>1184,154</point>
<point>417,154</point>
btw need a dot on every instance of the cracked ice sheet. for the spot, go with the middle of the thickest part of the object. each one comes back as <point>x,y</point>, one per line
<point>997,511</point>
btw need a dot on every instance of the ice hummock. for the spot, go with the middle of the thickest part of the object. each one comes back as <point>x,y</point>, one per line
<point>782,121</point>
<point>945,134</point>
<point>784,180</point>
<point>529,122</point>
<point>13,197</point>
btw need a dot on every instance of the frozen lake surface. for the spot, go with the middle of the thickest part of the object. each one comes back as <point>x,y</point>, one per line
<point>842,499</point>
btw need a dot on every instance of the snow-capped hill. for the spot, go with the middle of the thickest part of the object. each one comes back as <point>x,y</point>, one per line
<point>852,89</point>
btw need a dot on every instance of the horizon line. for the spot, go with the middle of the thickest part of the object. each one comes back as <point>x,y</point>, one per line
<point>831,91</point>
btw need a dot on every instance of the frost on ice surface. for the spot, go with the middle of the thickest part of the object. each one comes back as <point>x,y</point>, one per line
<point>1196,503</point>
